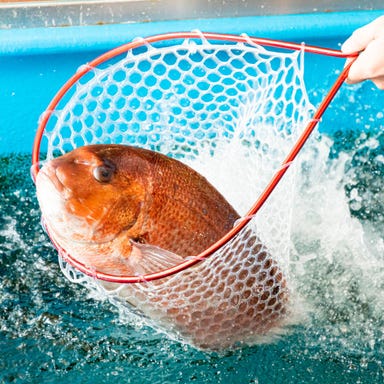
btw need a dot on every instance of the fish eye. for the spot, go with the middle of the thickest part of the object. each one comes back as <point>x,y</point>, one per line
<point>103,173</point>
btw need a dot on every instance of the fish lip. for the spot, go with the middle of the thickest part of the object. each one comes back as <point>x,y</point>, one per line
<point>50,173</point>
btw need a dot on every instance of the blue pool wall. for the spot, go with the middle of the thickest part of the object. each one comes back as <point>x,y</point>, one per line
<point>35,63</point>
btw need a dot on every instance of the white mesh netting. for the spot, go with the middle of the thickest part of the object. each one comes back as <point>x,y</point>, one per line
<point>232,112</point>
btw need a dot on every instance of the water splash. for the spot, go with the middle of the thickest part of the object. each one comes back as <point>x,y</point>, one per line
<point>337,259</point>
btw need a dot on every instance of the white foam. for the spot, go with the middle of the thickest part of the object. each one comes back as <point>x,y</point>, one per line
<point>336,260</point>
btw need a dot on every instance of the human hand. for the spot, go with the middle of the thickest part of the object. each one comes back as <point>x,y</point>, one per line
<point>368,39</point>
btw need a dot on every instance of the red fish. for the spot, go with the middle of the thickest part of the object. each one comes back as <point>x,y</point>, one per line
<point>102,202</point>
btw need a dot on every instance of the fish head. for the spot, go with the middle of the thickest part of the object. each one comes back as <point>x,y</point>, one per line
<point>91,194</point>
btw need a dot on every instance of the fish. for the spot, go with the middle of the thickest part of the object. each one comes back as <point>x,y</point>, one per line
<point>125,211</point>
<point>127,202</point>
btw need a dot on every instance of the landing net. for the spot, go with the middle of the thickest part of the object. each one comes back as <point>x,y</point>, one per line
<point>234,111</point>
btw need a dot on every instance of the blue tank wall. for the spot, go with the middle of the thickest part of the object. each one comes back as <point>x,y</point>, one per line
<point>34,63</point>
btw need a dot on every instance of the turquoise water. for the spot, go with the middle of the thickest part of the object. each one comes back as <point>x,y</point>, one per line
<point>52,330</point>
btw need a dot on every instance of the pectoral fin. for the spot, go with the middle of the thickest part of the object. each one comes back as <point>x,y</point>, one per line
<point>147,258</point>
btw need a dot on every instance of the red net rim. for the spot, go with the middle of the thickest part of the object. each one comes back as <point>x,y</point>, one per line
<point>263,196</point>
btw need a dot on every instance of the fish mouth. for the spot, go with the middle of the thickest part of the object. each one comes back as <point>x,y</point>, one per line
<point>51,174</point>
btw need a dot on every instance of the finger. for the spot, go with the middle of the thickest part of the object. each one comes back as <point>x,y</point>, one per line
<point>369,64</point>
<point>347,61</point>
<point>358,40</point>
<point>379,82</point>
<point>361,37</point>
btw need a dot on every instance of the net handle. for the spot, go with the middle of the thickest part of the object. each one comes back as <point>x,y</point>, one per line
<point>263,196</point>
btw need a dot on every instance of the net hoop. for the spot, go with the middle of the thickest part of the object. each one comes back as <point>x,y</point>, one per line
<point>268,189</point>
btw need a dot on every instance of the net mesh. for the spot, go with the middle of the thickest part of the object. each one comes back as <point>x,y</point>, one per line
<point>232,112</point>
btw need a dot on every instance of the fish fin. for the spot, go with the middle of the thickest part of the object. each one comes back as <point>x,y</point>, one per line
<point>151,259</point>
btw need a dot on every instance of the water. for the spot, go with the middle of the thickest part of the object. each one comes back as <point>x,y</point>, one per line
<point>52,330</point>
